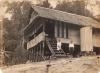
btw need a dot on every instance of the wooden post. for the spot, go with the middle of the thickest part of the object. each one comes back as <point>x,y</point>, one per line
<point>2,49</point>
<point>43,43</point>
<point>31,55</point>
<point>65,29</point>
<point>43,47</point>
<point>60,28</point>
<point>56,27</point>
<point>44,26</point>
<point>40,51</point>
<point>34,54</point>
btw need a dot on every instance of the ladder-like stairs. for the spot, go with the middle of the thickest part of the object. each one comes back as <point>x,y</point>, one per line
<point>52,44</point>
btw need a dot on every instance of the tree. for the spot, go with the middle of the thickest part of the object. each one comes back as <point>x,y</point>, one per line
<point>13,28</point>
<point>44,3</point>
<point>76,7</point>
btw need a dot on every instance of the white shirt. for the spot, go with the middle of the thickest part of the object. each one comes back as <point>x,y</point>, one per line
<point>58,45</point>
<point>71,45</point>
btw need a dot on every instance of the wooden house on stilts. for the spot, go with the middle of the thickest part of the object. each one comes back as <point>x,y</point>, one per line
<point>47,26</point>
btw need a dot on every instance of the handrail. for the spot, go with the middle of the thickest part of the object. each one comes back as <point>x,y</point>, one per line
<point>50,48</point>
<point>36,40</point>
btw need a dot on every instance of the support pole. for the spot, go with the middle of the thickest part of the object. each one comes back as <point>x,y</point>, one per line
<point>2,49</point>
<point>56,27</point>
<point>40,52</point>
<point>36,54</point>
<point>33,54</point>
<point>65,29</point>
<point>60,26</point>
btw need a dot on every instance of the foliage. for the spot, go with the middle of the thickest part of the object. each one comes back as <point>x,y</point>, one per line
<point>44,3</point>
<point>76,7</point>
<point>13,34</point>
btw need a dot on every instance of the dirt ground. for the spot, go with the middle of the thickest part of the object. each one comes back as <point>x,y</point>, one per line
<point>65,65</point>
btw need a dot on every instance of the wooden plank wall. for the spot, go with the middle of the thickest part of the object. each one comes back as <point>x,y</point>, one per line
<point>86,39</point>
<point>96,39</point>
<point>1,44</point>
<point>64,32</point>
<point>60,29</point>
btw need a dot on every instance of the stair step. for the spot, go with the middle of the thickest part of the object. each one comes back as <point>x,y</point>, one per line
<point>54,47</point>
<point>54,44</point>
<point>52,41</point>
<point>60,55</point>
<point>58,52</point>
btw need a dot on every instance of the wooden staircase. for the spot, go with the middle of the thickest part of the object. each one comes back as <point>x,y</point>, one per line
<point>2,57</point>
<point>52,44</point>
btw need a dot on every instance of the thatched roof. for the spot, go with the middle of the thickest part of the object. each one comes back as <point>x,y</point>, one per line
<point>65,17</point>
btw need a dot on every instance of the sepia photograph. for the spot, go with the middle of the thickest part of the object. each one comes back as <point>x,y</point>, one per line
<point>49,36</point>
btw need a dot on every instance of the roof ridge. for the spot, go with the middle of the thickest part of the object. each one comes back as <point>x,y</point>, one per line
<point>61,11</point>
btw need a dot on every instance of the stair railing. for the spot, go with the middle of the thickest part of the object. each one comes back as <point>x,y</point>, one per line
<point>50,48</point>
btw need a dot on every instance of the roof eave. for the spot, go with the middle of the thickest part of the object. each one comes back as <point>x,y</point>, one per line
<point>30,22</point>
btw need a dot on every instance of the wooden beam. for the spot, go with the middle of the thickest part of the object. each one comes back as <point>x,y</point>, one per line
<point>60,29</point>
<point>44,27</point>
<point>30,55</point>
<point>43,47</point>
<point>35,54</point>
<point>40,51</point>
<point>56,27</point>
<point>65,31</point>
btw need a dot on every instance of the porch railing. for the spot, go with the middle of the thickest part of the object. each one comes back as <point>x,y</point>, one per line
<point>36,40</point>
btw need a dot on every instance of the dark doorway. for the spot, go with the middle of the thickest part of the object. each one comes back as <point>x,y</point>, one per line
<point>96,50</point>
<point>77,50</point>
<point>49,29</point>
<point>65,47</point>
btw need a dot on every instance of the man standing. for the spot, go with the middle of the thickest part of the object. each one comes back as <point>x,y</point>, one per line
<point>71,48</point>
